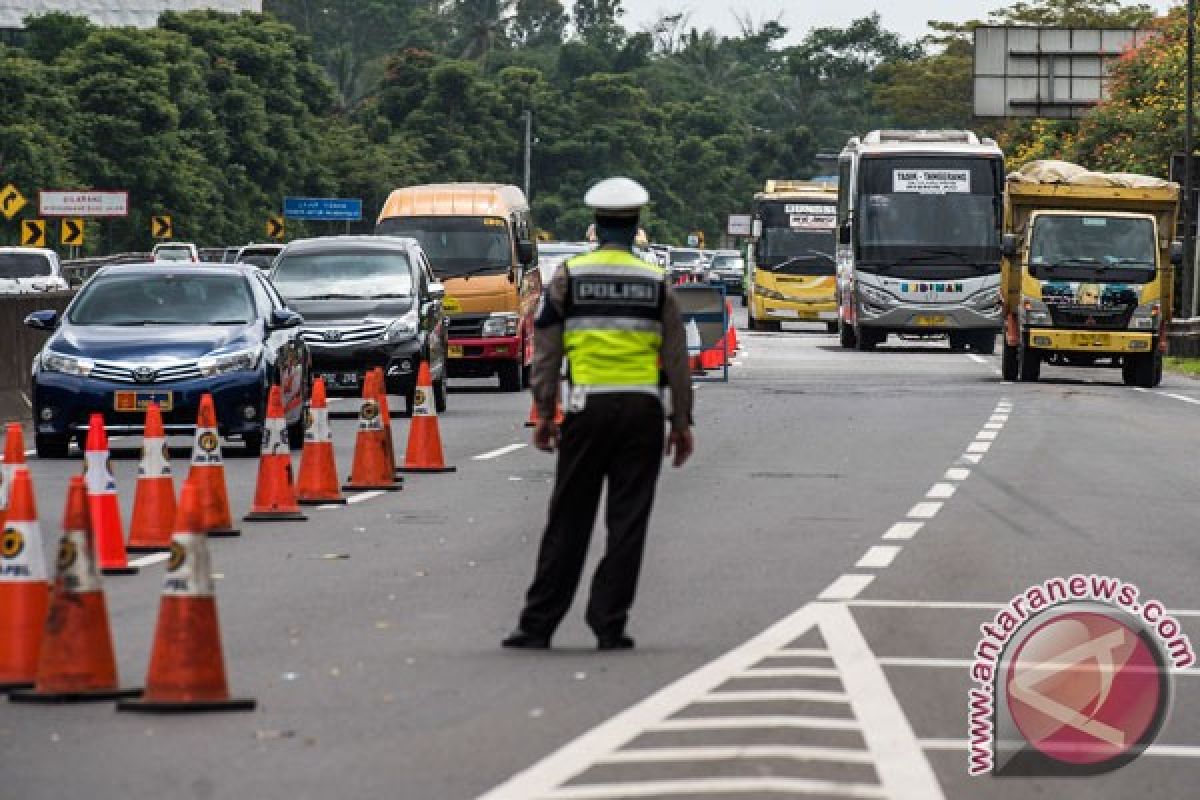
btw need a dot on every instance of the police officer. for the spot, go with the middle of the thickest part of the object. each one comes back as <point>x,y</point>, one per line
<point>615,319</point>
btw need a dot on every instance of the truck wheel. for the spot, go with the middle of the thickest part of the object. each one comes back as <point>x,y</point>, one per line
<point>1029,366</point>
<point>1008,362</point>
<point>984,343</point>
<point>831,327</point>
<point>49,446</point>
<point>958,341</point>
<point>1128,371</point>
<point>510,376</point>
<point>846,336</point>
<point>439,395</point>
<point>1147,370</point>
<point>867,339</point>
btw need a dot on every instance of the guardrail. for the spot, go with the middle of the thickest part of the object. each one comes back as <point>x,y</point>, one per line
<point>1183,337</point>
<point>21,344</point>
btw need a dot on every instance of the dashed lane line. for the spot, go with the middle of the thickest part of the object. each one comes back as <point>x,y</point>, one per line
<point>904,530</point>
<point>503,451</point>
<point>957,474</point>
<point>362,497</point>
<point>925,510</point>
<point>846,587</point>
<point>941,491</point>
<point>146,561</point>
<point>880,556</point>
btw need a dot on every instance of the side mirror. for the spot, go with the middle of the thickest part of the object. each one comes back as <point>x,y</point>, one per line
<point>1177,253</point>
<point>281,319</point>
<point>1009,245</point>
<point>844,233</point>
<point>437,290</point>
<point>526,251</point>
<point>42,320</point>
<point>756,229</point>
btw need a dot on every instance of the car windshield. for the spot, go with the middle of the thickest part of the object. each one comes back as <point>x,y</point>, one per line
<point>259,258</point>
<point>344,274</point>
<point>728,263</point>
<point>457,246</point>
<point>163,299</point>
<point>686,258</point>
<point>24,265</point>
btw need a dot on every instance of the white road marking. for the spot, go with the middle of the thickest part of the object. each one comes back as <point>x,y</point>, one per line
<point>979,447</point>
<point>977,358</point>
<point>503,451</point>
<point>924,510</point>
<point>31,452</point>
<point>971,458</point>
<point>1161,750</point>
<point>773,696</point>
<point>330,506</point>
<point>946,663</point>
<point>899,761</point>
<point>754,724</point>
<point>972,606</point>
<point>941,491</point>
<point>702,786</point>
<point>879,556</point>
<point>364,496</point>
<point>790,672</point>
<point>957,474</point>
<point>1182,397</point>
<point>846,587</point>
<point>987,436</point>
<point>993,426</point>
<point>998,419</point>
<point>799,652</point>
<point>146,561</point>
<point>904,530</point>
<point>670,755</point>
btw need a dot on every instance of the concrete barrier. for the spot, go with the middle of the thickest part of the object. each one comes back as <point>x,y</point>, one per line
<point>1183,337</point>
<point>20,345</point>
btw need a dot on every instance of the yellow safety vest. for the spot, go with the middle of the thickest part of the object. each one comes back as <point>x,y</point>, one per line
<point>612,329</point>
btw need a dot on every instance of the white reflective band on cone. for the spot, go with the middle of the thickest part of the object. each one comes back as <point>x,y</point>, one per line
<point>275,441</point>
<point>189,570</point>
<point>7,471</point>
<point>369,416</point>
<point>316,428</point>
<point>96,472</point>
<point>155,463</point>
<point>76,565</point>
<point>21,557</point>
<point>207,449</point>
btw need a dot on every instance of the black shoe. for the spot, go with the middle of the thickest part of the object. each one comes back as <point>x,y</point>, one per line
<point>523,640</point>
<point>618,642</point>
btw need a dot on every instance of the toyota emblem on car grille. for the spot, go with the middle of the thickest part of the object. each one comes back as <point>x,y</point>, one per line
<point>333,336</point>
<point>144,375</point>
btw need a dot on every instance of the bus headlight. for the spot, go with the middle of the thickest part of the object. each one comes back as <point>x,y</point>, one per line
<point>1146,317</point>
<point>876,297</point>
<point>1035,311</point>
<point>987,300</point>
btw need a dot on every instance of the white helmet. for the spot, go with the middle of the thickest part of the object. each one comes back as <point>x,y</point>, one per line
<point>617,197</point>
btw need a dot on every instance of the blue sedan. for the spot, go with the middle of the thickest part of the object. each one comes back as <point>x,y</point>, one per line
<point>151,332</point>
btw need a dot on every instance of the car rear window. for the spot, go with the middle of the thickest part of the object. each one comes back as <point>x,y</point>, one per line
<point>24,265</point>
<point>362,274</point>
<point>166,299</point>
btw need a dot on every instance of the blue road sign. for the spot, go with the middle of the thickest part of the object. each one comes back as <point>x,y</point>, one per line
<point>327,208</point>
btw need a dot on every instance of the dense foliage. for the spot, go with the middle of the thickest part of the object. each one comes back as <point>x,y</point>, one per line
<point>214,118</point>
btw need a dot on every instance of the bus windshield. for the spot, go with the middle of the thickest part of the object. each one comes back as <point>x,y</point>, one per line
<point>930,216</point>
<point>457,246</point>
<point>797,238</point>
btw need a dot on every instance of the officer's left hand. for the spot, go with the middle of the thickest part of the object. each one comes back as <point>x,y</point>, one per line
<point>681,443</point>
<point>546,435</point>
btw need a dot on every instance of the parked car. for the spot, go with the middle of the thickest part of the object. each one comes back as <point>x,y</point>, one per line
<point>260,255</point>
<point>729,267</point>
<point>30,269</point>
<point>368,301</point>
<point>148,332</point>
<point>176,251</point>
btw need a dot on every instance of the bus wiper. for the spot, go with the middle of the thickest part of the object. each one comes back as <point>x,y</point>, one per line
<point>926,252</point>
<point>477,270</point>
<point>1139,262</point>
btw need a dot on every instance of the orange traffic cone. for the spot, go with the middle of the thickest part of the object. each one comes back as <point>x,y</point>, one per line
<point>187,666</point>
<point>424,452</point>
<point>103,506</point>
<point>14,461</point>
<point>376,383</point>
<point>154,501</point>
<point>275,494</point>
<point>317,482</point>
<point>373,467</point>
<point>732,333</point>
<point>76,663</point>
<point>534,416</point>
<point>23,588</point>
<point>208,473</point>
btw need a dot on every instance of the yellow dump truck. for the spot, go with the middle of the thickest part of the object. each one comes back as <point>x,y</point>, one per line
<point>1088,271</point>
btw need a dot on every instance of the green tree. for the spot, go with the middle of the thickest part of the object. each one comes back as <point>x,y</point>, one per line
<point>539,23</point>
<point>598,22</point>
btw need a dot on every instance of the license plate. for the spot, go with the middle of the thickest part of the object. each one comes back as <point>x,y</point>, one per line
<point>1091,340</point>
<point>139,401</point>
<point>808,314</point>
<point>926,321</point>
<point>344,379</point>
<point>786,313</point>
<point>455,351</point>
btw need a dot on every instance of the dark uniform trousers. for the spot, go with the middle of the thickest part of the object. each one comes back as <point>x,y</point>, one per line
<point>618,438</point>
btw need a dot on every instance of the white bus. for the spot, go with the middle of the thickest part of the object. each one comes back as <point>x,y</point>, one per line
<point>919,234</point>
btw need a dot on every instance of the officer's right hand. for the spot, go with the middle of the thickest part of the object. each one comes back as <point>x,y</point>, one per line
<point>682,444</point>
<point>546,435</point>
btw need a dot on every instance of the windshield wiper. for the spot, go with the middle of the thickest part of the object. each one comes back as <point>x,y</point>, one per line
<point>329,297</point>
<point>477,270</point>
<point>229,322</point>
<point>1138,262</point>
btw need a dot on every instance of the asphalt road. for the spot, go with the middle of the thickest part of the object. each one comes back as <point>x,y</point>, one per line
<point>785,646</point>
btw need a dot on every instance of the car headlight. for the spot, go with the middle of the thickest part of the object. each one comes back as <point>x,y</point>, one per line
<point>987,300</point>
<point>1035,311</point>
<point>68,365</point>
<point>403,328</point>
<point>224,363</point>
<point>876,297</point>
<point>500,325</point>
<point>1146,317</point>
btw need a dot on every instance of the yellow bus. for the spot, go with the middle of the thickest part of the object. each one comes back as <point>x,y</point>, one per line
<point>479,238</point>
